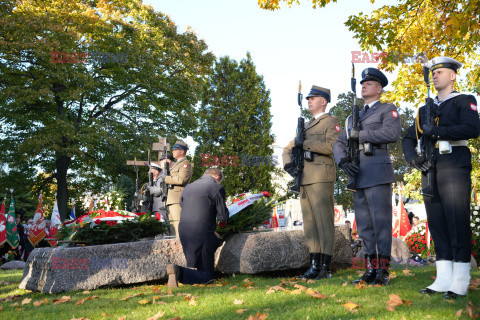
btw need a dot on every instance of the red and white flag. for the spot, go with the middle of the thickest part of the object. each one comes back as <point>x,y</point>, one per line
<point>3,224</point>
<point>37,232</point>
<point>56,224</point>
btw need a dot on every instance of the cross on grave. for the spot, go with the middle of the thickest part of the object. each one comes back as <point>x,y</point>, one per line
<point>157,146</point>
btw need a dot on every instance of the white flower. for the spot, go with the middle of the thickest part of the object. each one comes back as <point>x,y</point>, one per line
<point>475,213</point>
<point>472,225</point>
<point>477,208</point>
<point>477,219</point>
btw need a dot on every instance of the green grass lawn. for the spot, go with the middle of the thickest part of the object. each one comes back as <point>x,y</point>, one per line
<point>249,292</point>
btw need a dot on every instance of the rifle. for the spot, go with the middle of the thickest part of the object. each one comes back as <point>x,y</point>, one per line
<point>136,200</point>
<point>148,195</point>
<point>166,172</point>
<point>297,153</point>
<point>353,151</point>
<point>427,144</point>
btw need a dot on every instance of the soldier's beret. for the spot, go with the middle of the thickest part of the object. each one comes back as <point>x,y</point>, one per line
<point>444,62</point>
<point>319,91</point>
<point>373,74</point>
<point>180,145</point>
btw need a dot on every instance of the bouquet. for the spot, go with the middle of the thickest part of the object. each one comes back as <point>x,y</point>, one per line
<point>416,240</point>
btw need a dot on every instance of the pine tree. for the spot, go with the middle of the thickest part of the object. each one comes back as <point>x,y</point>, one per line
<point>234,127</point>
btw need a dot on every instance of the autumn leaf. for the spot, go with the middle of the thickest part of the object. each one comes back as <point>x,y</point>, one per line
<point>237,301</point>
<point>390,308</point>
<point>344,284</point>
<point>62,300</point>
<point>361,285</point>
<point>351,306</point>
<point>145,301</point>
<point>310,281</point>
<point>315,294</point>
<point>247,283</point>
<point>122,318</point>
<point>258,316</point>
<point>275,289</point>
<point>459,313</point>
<point>79,302</point>
<point>157,316</point>
<point>474,283</point>
<point>40,302</point>
<point>407,273</point>
<point>26,301</point>
<point>395,300</point>
<point>234,287</point>
<point>300,287</point>
<point>86,292</point>
<point>130,296</point>
<point>240,311</point>
<point>192,302</point>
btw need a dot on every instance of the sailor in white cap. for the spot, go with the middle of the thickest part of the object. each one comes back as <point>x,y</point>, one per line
<point>448,211</point>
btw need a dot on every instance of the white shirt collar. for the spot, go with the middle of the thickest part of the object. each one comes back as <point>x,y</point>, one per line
<point>319,115</point>
<point>372,103</point>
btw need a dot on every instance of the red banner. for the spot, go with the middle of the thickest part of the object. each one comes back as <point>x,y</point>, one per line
<point>37,232</point>
<point>3,225</point>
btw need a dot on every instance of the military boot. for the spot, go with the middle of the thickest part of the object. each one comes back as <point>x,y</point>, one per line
<point>312,272</point>
<point>383,276</point>
<point>371,273</point>
<point>325,267</point>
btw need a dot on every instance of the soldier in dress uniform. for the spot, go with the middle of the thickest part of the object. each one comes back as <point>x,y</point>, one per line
<point>317,184</point>
<point>180,174</point>
<point>159,206</point>
<point>372,200</point>
<point>448,210</point>
<point>202,202</point>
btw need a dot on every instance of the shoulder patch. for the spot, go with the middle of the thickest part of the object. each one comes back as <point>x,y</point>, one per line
<point>337,128</point>
<point>185,166</point>
<point>394,114</point>
<point>473,106</point>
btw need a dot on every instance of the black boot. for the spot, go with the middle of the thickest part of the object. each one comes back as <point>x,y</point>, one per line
<point>325,267</point>
<point>371,273</point>
<point>382,275</point>
<point>312,272</point>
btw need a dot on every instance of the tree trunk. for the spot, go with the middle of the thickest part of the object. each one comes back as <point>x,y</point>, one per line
<point>62,191</point>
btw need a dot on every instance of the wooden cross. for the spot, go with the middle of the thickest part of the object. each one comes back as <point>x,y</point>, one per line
<point>157,146</point>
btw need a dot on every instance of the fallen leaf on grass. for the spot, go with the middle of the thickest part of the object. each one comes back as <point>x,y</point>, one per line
<point>351,306</point>
<point>315,294</point>
<point>86,292</point>
<point>248,283</point>
<point>275,289</point>
<point>145,301</point>
<point>450,301</point>
<point>192,302</point>
<point>240,311</point>
<point>122,318</point>
<point>1,308</point>
<point>62,300</point>
<point>40,302</point>
<point>79,302</point>
<point>296,291</point>
<point>176,318</point>
<point>300,287</point>
<point>395,300</point>
<point>82,318</point>
<point>459,313</point>
<point>407,273</point>
<point>469,309</point>
<point>474,283</point>
<point>234,287</point>
<point>258,316</point>
<point>10,298</point>
<point>390,308</point>
<point>237,301</point>
<point>130,296</point>
<point>361,285</point>
<point>26,301</point>
<point>310,281</point>
<point>344,284</point>
<point>90,298</point>
<point>15,304</point>
<point>157,316</point>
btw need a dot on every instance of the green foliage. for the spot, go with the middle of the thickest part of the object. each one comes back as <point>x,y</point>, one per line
<point>87,118</point>
<point>249,218</point>
<point>126,186</point>
<point>111,232</point>
<point>234,126</point>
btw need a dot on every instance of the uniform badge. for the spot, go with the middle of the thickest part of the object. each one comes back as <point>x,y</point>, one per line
<point>337,127</point>
<point>395,114</point>
<point>185,166</point>
<point>473,107</point>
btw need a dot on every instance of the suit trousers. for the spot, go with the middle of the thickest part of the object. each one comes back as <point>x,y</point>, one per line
<point>192,276</point>
<point>373,215</point>
<point>316,201</point>
<point>174,211</point>
<point>448,214</point>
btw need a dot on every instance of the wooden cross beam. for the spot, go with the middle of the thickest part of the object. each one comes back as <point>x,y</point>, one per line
<point>157,146</point>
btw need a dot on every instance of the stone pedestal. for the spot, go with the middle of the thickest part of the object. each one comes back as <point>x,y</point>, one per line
<point>53,270</point>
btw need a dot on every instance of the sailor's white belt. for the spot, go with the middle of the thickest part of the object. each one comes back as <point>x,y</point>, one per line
<point>458,143</point>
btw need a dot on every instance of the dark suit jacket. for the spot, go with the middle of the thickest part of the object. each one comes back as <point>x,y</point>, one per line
<point>202,202</point>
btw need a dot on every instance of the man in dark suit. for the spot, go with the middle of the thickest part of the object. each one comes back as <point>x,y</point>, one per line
<point>202,202</point>
<point>379,126</point>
